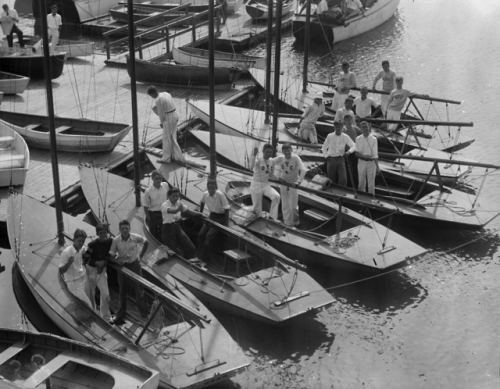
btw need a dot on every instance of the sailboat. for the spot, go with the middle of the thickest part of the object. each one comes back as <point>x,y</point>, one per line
<point>173,339</point>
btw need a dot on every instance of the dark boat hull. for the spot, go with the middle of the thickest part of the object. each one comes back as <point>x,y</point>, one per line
<point>32,66</point>
<point>182,76</point>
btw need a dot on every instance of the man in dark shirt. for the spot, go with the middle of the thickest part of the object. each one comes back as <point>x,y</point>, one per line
<point>95,260</point>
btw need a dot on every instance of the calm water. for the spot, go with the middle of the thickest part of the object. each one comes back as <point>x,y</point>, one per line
<point>432,325</point>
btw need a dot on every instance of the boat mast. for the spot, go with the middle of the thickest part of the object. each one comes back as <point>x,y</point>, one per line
<point>277,60</point>
<point>211,87</point>
<point>269,53</point>
<point>133,91</point>
<point>52,125</point>
<point>306,45</point>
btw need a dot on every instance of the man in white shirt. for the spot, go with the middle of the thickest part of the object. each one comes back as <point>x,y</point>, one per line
<point>165,109</point>
<point>334,150</point>
<point>352,8</point>
<point>154,196</point>
<point>364,105</point>
<point>367,153</point>
<point>8,19</point>
<point>263,168</point>
<point>218,206</point>
<point>322,7</point>
<point>307,129</point>
<point>54,23</point>
<point>72,267</point>
<point>397,101</point>
<point>346,81</point>
<point>388,77</point>
<point>291,170</point>
<point>346,110</point>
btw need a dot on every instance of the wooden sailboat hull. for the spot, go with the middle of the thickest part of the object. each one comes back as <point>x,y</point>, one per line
<point>323,30</point>
<point>72,135</point>
<point>14,157</point>
<point>160,73</point>
<point>32,236</point>
<point>66,363</point>
<point>120,14</point>
<point>232,295</point>
<point>357,255</point>
<point>27,64</point>
<point>12,83</point>
<point>192,56</point>
<point>260,10</point>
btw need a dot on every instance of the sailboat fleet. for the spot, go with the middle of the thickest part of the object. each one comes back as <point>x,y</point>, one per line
<point>259,269</point>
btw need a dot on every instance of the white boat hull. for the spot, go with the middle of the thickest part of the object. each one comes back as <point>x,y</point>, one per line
<point>14,157</point>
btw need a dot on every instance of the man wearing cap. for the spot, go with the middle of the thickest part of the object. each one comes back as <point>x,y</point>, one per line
<point>334,150</point>
<point>54,22</point>
<point>388,77</point>
<point>218,207</point>
<point>347,109</point>
<point>8,19</point>
<point>154,196</point>
<point>172,234</point>
<point>346,81</point>
<point>367,153</point>
<point>165,109</point>
<point>307,129</point>
<point>95,259</point>
<point>364,105</point>
<point>124,251</point>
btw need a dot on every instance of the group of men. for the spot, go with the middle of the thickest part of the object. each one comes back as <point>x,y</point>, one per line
<point>9,18</point>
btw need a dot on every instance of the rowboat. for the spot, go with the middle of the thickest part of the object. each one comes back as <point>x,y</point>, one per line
<point>160,72</point>
<point>12,83</point>
<point>120,14</point>
<point>24,62</point>
<point>198,57</point>
<point>36,360</point>
<point>259,9</point>
<point>72,48</point>
<point>14,157</point>
<point>73,135</point>
<point>222,283</point>
<point>323,28</point>
<point>343,240</point>
<point>180,339</point>
<point>404,199</point>
<point>194,5</point>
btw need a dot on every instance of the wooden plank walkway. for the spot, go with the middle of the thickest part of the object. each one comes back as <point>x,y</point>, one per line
<point>88,88</point>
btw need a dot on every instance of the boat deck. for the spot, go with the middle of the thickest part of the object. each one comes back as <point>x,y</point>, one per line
<point>88,88</point>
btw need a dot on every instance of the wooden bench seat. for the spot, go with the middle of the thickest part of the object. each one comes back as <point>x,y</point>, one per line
<point>9,161</point>
<point>317,215</point>
<point>12,351</point>
<point>63,128</point>
<point>236,256</point>
<point>387,190</point>
<point>33,126</point>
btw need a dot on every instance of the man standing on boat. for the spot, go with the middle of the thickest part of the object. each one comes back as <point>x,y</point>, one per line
<point>352,161</point>
<point>346,110</point>
<point>397,101</point>
<point>8,19</point>
<point>388,77</point>
<point>291,171</point>
<point>367,153</point>
<point>165,109</point>
<point>73,269</point>
<point>96,258</point>
<point>54,22</point>
<point>307,129</point>
<point>364,105</point>
<point>154,196</point>
<point>218,207</point>
<point>263,168</point>
<point>124,251</point>
<point>346,81</point>
<point>334,150</point>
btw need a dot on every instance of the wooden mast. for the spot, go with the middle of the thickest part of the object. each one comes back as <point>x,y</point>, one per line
<point>133,92</point>
<point>306,45</point>
<point>52,126</point>
<point>211,97</point>
<point>277,60</point>
<point>269,56</point>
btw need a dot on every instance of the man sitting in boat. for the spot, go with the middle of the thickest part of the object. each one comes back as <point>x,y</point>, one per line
<point>72,267</point>
<point>365,104</point>
<point>307,122</point>
<point>95,259</point>
<point>352,8</point>
<point>218,207</point>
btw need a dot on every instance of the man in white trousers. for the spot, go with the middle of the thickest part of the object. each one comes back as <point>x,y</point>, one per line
<point>165,109</point>
<point>54,22</point>
<point>366,150</point>
<point>263,168</point>
<point>290,170</point>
